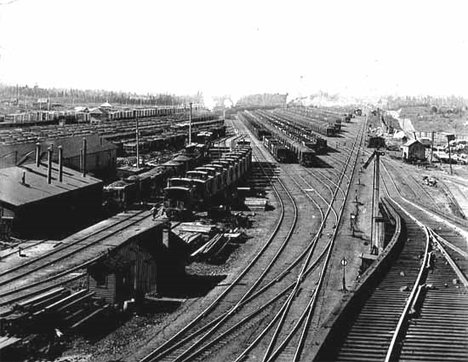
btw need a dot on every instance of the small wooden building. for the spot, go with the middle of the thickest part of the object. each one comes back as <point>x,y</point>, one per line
<point>147,261</point>
<point>413,151</point>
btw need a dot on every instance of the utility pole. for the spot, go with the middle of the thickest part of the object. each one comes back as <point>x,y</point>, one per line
<point>432,144</point>
<point>190,124</point>
<point>450,156</point>
<point>137,133</point>
<point>450,137</point>
<point>375,237</point>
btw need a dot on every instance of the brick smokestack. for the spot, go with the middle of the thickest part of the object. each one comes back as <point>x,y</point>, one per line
<point>60,161</point>
<point>49,165</point>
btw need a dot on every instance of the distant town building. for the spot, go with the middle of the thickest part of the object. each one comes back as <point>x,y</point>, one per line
<point>413,151</point>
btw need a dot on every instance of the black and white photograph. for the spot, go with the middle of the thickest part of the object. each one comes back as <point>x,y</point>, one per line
<point>220,180</point>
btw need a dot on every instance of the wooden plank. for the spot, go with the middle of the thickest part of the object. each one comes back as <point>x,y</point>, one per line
<point>40,297</point>
<point>81,321</point>
<point>9,342</point>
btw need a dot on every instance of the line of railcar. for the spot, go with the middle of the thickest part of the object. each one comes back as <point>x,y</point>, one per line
<point>286,148</point>
<point>149,185</point>
<point>297,132</point>
<point>319,124</point>
<point>201,187</point>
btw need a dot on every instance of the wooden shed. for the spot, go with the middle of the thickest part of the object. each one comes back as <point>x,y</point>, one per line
<point>146,262</point>
<point>414,151</point>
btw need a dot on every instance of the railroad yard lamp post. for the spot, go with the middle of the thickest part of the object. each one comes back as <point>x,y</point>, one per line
<point>343,263</point>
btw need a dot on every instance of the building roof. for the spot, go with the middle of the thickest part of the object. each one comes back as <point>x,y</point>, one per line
<point>411,142</point>
<point>35,188</point>
<point>182,158</point>
<point>95,111</point>
<point>81,109</point>
<point>71,148</point>
<point>105,105</point>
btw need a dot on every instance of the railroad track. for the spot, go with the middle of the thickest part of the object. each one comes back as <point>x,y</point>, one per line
<point>47,271</point>
<point>243,322</point>
<point>230,300</point>
<point>420,194</point>
<point>419,311</point>
<point>438,331</point>
<point>295,340</point>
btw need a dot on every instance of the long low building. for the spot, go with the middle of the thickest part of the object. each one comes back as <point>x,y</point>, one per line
<point>101,155</point>
<point>40,200</point>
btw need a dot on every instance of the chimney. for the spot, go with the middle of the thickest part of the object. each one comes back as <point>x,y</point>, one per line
<point>23,178</point>
<point>49,165</point>
<point>38,154</point>
<point>84,157</point>
<point>415,137</point>
<point>60,162</point>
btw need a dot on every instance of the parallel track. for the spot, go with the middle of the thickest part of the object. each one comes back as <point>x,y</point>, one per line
<point>407,318</point>
<point>214,341</point>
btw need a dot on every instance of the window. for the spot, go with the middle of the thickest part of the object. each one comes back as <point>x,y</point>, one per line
<point>101,281</point>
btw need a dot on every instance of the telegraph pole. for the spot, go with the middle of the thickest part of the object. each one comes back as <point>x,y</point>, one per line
<point>190,124</point>
<point>375,242</point>
<point>137,140</point>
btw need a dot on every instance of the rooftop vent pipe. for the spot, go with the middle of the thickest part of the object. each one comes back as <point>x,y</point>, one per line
<point>38,154</point>
<point>84,157</point>
<point>49,165</point>
<point>60,161</point>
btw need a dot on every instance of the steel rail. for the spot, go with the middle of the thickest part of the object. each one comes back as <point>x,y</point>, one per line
<point>328,247</point>
<point>162,350</point>
<point>277,278</point>
<point>392,349</point>
<point>447,257</point>
<point>308,309</point>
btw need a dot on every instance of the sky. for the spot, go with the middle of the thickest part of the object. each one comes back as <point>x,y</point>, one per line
<point>354,48</point>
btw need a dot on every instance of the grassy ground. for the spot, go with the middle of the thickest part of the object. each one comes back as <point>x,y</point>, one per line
<point>426,119</point>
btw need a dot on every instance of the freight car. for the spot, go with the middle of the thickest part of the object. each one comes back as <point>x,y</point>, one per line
<point>255,127</point>
<point>304,155</point>
<point>295,131</point>
<point>149,185</point>
<point>321,125</point>
<point>205,185</point>
<point>316,125</point>
<point>279,152</point>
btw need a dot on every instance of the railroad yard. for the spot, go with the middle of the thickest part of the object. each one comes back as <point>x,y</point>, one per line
<point>230,181</point>
<point>276,233</point>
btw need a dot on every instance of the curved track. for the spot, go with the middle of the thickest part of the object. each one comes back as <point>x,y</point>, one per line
<point>419,309</point>
<point>272,299</point>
